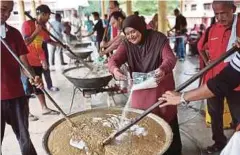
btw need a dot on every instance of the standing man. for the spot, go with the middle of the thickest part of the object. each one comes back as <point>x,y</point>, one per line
<point>98,27</point>
<point>113,7</point>
<point>217,43</point>
<point>76,24</point>
<point>180,30</point>
<point>14,105</point>
<point>116,21</point>
<point>56,28</point>
<point>34,37</point>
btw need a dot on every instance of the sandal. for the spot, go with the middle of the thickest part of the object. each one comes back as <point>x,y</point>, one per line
<point>51,112</point>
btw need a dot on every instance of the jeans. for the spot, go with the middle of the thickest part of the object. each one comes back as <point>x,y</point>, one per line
<point>180,47</point>
<point>15,113</point>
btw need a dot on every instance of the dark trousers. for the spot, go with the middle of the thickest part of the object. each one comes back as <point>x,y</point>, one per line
<point>215,110</point>
<point>46,73</point>
<point>176,146</point>
<point>15,112</point>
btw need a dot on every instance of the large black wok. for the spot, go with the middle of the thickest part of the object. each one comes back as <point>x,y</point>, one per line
<point>89,83</point>
<point>82,44</point>
<point>82,53</point>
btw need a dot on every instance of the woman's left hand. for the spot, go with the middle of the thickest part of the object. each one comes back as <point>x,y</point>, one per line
<point>159,75</point>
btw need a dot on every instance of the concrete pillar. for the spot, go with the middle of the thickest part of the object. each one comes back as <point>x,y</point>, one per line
<point>162,16</point>
<point>33,8</point>
<point>103,9</point>
<point>129,7</point>
<point>181,5</point>
<point>21,9</point>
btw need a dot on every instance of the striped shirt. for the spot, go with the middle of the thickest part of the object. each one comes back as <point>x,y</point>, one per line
<point>235,62</point>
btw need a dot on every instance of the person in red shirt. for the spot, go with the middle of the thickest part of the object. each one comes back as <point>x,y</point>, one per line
<point>217,42</point>
<point>14,105</point>
<point>34,36</point>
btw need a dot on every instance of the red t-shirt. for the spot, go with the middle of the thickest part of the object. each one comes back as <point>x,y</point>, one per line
<point>218,38</point>
<point>11,85</point>
<point>36,53</point>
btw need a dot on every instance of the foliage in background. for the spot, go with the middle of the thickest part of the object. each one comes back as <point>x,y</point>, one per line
<point>94,6</point>
<point>146,7</point>
<point>151,7</point>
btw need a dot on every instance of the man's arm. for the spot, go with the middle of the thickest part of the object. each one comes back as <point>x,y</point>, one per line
<point>28,36</point>
<point>221,85</point>
<point>25,62</point>
<point>89,34</point>
<point>114,44</point>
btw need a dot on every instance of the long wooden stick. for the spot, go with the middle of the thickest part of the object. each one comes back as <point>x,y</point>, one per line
<point>32,76</point>
<point>181,87</point>
<point>56,39</point>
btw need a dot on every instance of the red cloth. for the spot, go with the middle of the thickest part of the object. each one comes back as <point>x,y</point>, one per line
<point>143,99</point>
<point>114,32</point>
<point>36,52</point>
<point>11,85</point>
<point>218,38</point>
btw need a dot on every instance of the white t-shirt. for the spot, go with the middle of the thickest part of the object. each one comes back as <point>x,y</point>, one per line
<point>76,24</point>
<point>233,146</point>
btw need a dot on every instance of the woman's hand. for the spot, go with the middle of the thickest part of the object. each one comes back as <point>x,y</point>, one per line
<point>159,75</point>
<point>171,98</point>
<point>37,81</point>
<point>118,74</point>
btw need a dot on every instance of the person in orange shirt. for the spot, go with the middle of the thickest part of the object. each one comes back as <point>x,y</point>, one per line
<point>34,36</point>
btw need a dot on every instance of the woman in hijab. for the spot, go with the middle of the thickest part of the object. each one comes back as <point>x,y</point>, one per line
<point>145,51</point>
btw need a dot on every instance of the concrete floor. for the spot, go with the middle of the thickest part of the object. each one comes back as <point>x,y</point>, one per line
<point>195,135</point>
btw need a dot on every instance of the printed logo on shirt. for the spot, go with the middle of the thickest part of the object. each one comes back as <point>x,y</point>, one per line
<point>38,42</point>
<point>216,38</point>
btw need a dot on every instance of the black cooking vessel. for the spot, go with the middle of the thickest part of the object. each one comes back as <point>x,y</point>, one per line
<point>82,53</point>
<point>90,83</point>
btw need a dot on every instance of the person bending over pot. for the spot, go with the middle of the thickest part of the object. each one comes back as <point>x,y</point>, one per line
<point>145,51</point>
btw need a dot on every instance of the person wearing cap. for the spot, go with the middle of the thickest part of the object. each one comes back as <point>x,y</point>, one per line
<point>145,51</point>
<point>14,105</point>
<point>34,37</point>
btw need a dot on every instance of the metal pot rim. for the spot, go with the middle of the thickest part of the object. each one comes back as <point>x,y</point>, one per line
<point>72,68</point>
<point>160,121</point>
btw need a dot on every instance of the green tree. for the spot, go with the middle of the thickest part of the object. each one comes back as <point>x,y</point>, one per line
<point>151,7</point>
<point>94,6</point>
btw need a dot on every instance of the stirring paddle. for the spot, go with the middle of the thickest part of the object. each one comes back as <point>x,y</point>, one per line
<point>56,39</point>
<point>181,87</point>
<point>32,76</point>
